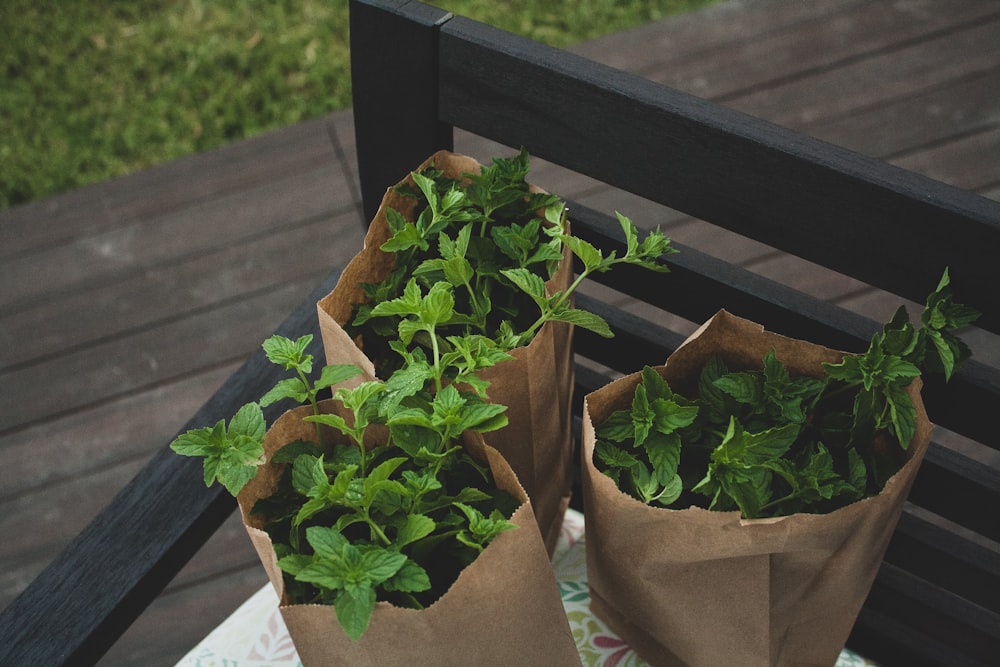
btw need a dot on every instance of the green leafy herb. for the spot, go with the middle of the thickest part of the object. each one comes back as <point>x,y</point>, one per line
<point>232,454</point>
<point>765,443</point>
<point>485,246</point>
<point>355,522</point>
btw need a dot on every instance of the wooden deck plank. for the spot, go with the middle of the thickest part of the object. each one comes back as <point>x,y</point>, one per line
<point>185,612</point>
<point>716,28</point>
<point>857,33</point>
<point>113,254</point>
<point>137,362</point>
<point>239,166</point>
<point>971,162</point>
<point>82,443</point>
<point>159,293</point>
<point>885,76</point>
<point>912,122</point>
<point>46,519</point>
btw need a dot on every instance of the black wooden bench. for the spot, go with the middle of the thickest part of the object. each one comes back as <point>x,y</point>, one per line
<point>419,72</point>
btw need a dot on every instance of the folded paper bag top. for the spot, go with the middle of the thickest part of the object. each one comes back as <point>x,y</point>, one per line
<point>504,608</point>
<point>536,385</point>
<point>699,587</point>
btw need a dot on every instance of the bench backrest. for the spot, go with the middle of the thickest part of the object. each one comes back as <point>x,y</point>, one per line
<point>418,72</point>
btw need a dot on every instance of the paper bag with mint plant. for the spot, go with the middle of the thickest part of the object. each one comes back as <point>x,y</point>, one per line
<point>375,506</point>
<point>503,606</point>
<point>723,537</point>
<point>503,250</point>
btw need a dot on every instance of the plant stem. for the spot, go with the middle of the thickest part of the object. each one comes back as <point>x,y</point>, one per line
<point>375,529</point>
<point>437,357</point>
<point>544,317</point>
<point>775,503</point>
<point>311,392</point>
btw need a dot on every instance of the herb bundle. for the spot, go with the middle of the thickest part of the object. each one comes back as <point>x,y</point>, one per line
<point>492,242</point>
<point>392,516</point>
<point>768,444</point>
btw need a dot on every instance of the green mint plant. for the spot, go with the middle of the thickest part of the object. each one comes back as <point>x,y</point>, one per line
<point>495,243</point>
<point>391,515</point>
<point>398,508</point>
<point>768,444</point>
<point>232,454</point>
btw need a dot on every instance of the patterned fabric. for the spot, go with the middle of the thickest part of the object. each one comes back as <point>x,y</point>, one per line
<point>255,635</point>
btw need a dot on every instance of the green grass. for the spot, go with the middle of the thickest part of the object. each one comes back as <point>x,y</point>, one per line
<point>93,90</point>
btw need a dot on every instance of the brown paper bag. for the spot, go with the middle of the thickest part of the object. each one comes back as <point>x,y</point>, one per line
<point>504,608</point>
<point>536,386</point>
<point>699,587</point>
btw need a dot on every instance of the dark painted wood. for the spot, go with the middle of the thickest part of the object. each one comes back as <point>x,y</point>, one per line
<point>394,79</point>
<point>888,227</point>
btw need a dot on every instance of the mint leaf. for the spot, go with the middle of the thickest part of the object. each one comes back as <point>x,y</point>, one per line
<point>298,448</point>
<point>308,473</point>
<point>405,237</point>
<point>903,414</point>
<point>201,442</point>
<point>439,304</point>
<point>415,527</point>
<point>642,415</point>
<point>289,388</point>
<point>586,252</point>
<point>408,303</point>
<point>483,417</point>
<point>745,387</point>
<point>582,318</point>
<point>647,253</point>
<point>530,283</point>
<point>288,353</point>
<point>669,416</point>
<point>335,374</point>
<point>231,457</point>
<point>354,607</point>
<point>411,578</point>
<point>664,452</point>
<point>618,427</point>
<point>612,456</point>
<point>481,529</point>
<point>346,572</point>
<point>713,402</point>
<point>656,386</point>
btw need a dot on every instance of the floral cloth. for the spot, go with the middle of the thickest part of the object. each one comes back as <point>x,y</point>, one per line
<point>255,635</point>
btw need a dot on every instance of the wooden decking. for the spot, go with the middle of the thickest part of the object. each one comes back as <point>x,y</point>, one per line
<point>123,306</point>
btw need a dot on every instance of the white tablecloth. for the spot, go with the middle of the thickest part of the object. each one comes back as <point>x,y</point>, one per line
<point>255,635</point>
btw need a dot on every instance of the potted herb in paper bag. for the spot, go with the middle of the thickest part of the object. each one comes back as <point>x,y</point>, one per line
<point>739,499</point>
<point>389,529</point>
<point>504,248</point>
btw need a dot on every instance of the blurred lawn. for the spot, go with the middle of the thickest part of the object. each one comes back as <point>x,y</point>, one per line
<point>92,90</point>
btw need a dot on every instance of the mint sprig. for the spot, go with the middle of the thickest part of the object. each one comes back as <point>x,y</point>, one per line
<point>495,243</point>
<point>232,455</point>
<point>356,523</point>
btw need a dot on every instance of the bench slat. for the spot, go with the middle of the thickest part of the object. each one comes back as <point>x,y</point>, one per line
<point>891,228</point>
